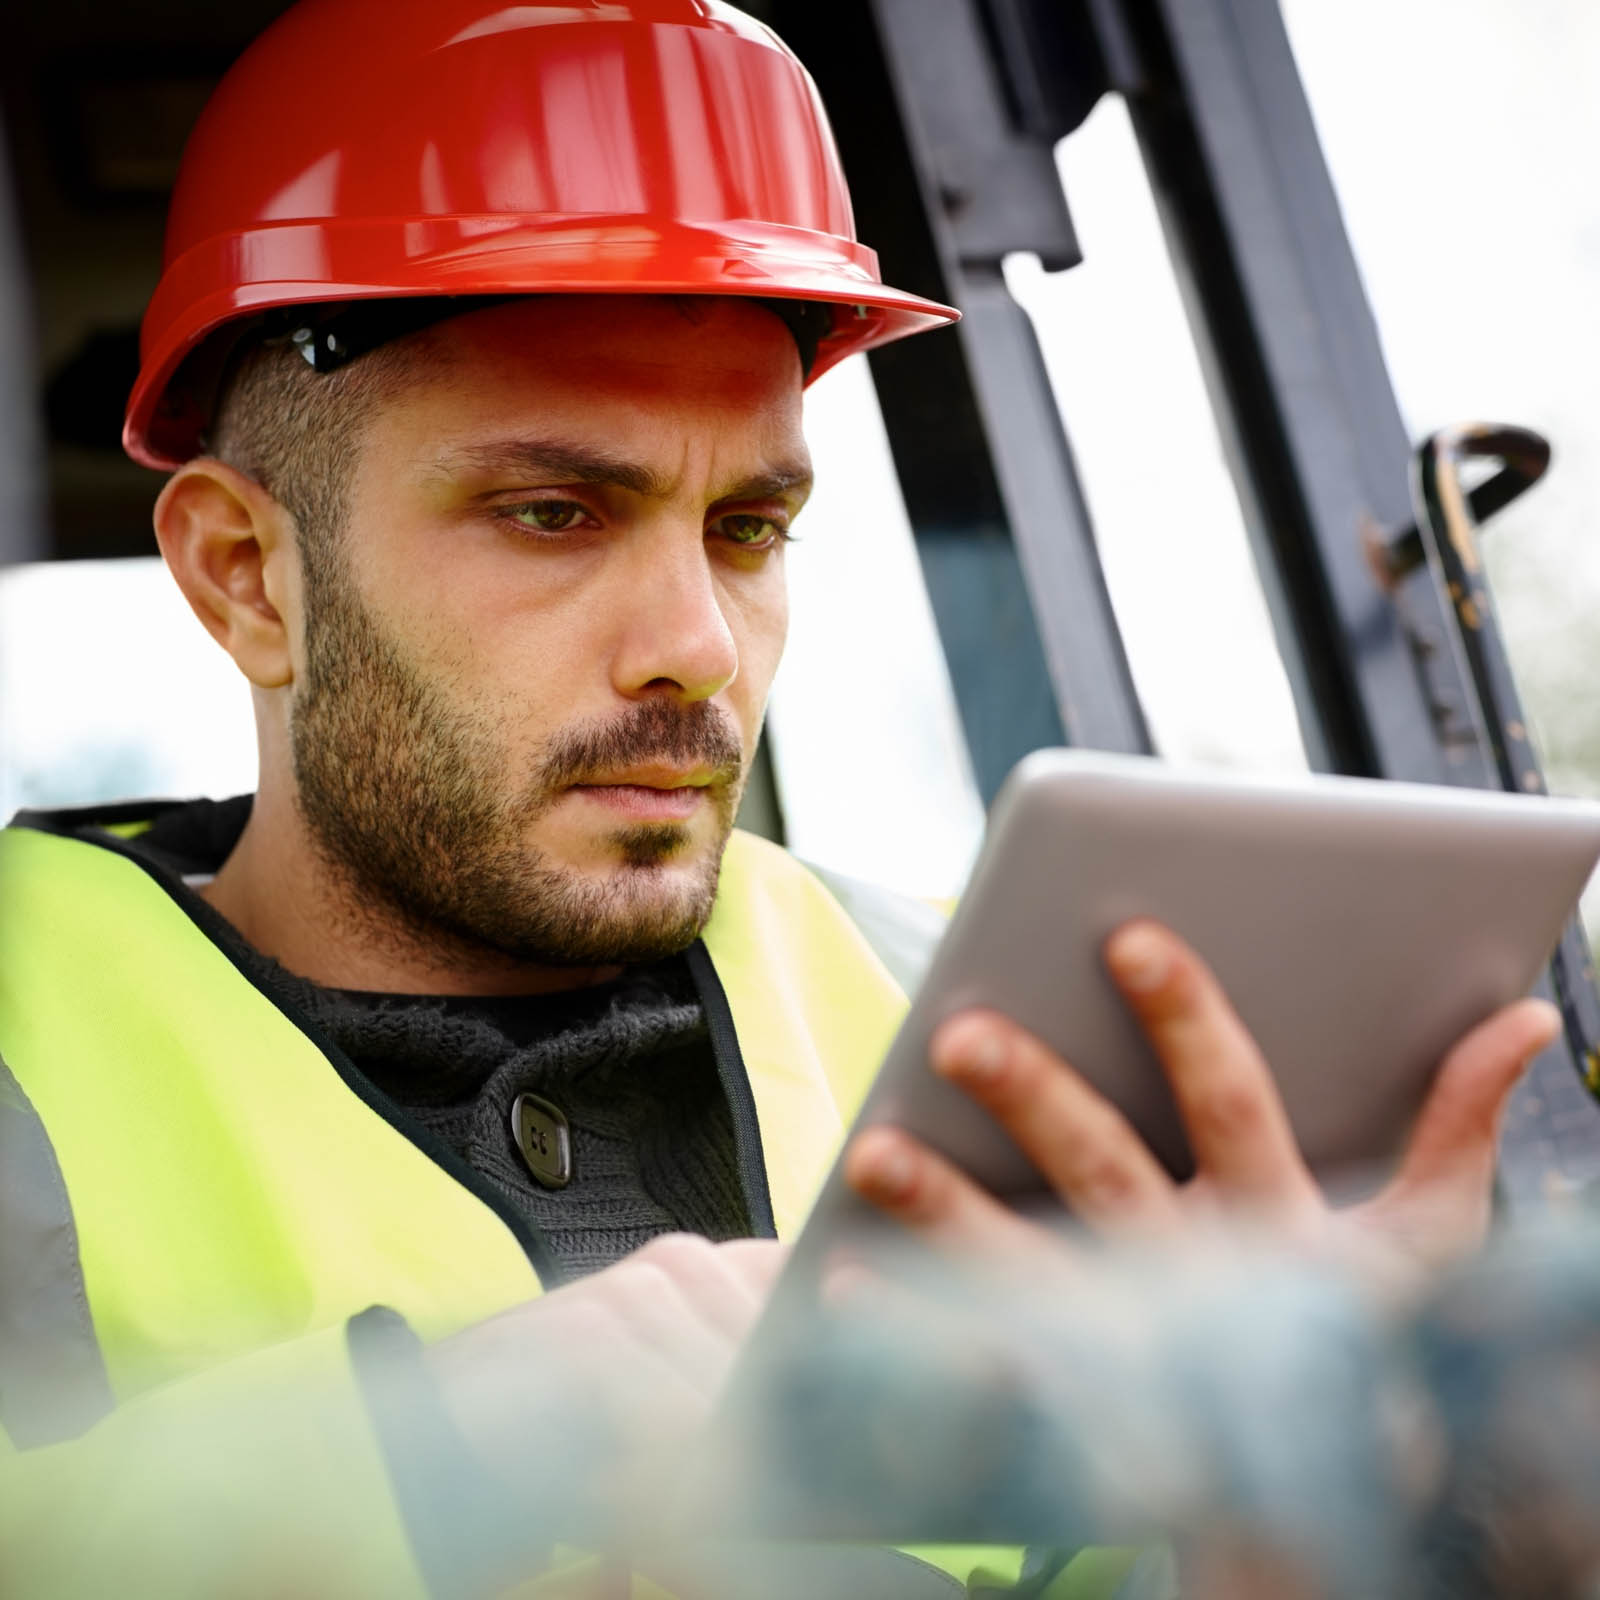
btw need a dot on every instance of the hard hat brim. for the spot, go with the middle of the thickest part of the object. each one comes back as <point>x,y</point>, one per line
<point>236,275</point>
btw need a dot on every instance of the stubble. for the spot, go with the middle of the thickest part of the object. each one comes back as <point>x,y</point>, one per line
<point>413,802</point>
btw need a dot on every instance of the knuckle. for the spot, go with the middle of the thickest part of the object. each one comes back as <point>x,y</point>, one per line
<point>1091,1133</point>
<point>649,1278</point>
<point>749,1258</point>
<point>650,1289</point>
<point>590,1320</point>
<point>750,1248</point>
<point>1229,1111</point>
<point>1108,1182</point>
<point>589,1323</point>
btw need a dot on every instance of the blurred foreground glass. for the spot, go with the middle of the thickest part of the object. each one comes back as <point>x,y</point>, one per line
<point>1274,1425</point>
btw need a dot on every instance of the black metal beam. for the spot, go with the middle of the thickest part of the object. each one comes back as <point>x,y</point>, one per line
<point>990,187</point>
<point>945,185</point>
<point>21,492</point>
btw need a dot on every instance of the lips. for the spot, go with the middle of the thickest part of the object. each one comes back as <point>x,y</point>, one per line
<point>649,794</point>
<point>651,776</point>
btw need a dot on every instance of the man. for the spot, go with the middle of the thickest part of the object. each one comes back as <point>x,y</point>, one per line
<point>479,384</point>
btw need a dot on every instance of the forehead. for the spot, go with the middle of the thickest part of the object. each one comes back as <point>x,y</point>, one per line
<point>640,372</point>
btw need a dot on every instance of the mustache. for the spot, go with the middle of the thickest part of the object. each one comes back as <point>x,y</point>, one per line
<point>653,730</point>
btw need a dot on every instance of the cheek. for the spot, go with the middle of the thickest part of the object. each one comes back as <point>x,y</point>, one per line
<point>499,654</point>
<point>759,616</point>
<point>523,674</point>
<point>476,612</point>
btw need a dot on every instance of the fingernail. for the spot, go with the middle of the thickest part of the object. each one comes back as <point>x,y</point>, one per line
<point>1139,958</point>
<point>1553,1025</point>
<point>979,1055</point>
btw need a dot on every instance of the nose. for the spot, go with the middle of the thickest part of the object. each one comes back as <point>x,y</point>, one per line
<point>675,636</point>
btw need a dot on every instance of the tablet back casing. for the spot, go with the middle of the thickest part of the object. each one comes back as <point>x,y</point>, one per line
<point>1360,928</point>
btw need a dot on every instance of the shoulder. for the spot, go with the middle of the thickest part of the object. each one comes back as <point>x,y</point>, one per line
<point>901,930</point>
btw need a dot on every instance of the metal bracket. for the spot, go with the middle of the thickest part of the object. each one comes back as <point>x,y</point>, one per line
<point>1445,533</point>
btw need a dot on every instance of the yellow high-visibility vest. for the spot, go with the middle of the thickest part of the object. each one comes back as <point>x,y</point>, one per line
<point>237,1192</point>
<point>234,1183</point>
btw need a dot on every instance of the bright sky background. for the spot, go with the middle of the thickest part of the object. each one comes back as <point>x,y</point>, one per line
<point>110,687</point>
<point>1462,136</point>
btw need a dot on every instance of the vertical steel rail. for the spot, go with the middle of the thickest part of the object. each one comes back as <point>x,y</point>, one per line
<point>991,188</point>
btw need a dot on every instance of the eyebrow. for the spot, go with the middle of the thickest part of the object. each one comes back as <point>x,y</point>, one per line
<point>559,462</point>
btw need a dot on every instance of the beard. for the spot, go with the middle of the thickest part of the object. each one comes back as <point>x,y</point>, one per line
<point>404,794</point>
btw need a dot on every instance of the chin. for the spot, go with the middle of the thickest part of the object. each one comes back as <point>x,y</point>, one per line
<point>639,913</point>
<point>635,893</point>
<point>662,873</point>
<point>668,851</point>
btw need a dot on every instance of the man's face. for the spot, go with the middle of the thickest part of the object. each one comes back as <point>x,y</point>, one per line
<point>533,674</point>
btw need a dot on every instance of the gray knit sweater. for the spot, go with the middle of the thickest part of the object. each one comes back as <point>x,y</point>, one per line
<point>629,1063</point>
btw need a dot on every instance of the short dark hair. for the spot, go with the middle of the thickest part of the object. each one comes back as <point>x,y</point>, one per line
<point>298,433</point>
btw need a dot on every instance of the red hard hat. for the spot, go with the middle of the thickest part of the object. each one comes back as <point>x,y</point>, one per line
<point>365,149</point>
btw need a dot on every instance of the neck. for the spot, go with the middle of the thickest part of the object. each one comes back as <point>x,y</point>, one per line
<point>288,900</point>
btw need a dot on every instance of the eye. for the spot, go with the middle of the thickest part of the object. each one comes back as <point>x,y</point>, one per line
<point>749,531</point>
<point>547,516</point>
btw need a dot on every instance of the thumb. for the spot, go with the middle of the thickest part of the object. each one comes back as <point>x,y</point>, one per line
<point>1449,1160</point>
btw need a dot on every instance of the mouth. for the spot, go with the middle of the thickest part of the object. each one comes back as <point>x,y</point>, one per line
<point>649,793</point>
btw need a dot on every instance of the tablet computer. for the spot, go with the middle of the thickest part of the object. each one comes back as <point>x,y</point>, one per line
<point>1360,928</point>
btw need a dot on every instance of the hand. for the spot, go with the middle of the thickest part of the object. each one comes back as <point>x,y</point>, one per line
<point>584,1397</point>
<point>1435,1209</point>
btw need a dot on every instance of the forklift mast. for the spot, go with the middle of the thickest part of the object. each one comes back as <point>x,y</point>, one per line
<point>947,114</point>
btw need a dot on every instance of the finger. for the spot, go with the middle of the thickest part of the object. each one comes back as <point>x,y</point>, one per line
<point>568,1355</point>
<point>938,1202</point>
<point>1237,1128</point>
<point>848,1282</point>
<point>918,1323</point>
<point>1081,1144</point>
<point>690,1325</point>
<point>754,1263</point>
<point>721,1287</point>
<point>573,1339</point>
<point>745,1271</point>
<point>1452,1150</point>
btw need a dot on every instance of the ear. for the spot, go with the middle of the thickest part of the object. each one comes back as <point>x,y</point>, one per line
<point>231,547</point>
